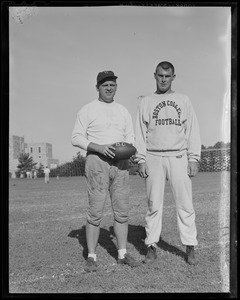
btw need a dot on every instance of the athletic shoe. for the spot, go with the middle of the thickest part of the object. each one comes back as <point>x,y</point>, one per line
<point>91,265</point>
<point>151,255</point>
<point>190,255</point>
<point>128,260</point>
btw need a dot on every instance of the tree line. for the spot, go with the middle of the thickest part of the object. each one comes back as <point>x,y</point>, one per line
<point>77,166</point>
<point>218,145</point>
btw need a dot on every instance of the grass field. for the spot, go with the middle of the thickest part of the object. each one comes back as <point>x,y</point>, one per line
<point>47,246</point>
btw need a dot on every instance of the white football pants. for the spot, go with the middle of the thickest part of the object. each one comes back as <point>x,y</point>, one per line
<point>175,169</point>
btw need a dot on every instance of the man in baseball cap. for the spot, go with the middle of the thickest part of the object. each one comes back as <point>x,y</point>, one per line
<point>105,76</point>
<point>100,124</point>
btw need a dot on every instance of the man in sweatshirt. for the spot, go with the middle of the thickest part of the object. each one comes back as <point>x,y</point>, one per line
<point>98,125</point>
<point>168,147</point>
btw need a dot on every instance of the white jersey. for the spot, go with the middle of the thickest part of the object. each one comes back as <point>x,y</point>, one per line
<point>46,171</point>
<point>167,126</point>
<point>102,123</point>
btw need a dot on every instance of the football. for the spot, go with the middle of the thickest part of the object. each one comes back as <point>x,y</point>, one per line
<point>123,150</point>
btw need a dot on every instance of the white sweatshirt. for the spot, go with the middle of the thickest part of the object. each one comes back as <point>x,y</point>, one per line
<point>102,123</point>
<point>166,125</point>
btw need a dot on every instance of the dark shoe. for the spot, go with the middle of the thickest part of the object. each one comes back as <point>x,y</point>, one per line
<point>91,265</point>
<point>190,255</point>
<point>151,255</point>
<point>128,260</point>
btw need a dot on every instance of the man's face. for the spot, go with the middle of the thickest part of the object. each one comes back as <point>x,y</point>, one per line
<point>107,91</point>
<point>164,79</point>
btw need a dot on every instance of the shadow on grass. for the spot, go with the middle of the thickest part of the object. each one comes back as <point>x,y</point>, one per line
<point>80,235</point>
<point>105,240</point>
<point>172,249</point>
<point>136,236</point>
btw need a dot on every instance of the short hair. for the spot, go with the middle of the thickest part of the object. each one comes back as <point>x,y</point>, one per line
<point>165,65</point>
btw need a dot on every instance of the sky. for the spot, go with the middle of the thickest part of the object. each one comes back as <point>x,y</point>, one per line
<point>55,54</point>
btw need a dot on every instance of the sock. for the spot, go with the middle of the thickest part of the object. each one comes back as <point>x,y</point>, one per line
<point>94,256</point>
<point>121,253</point>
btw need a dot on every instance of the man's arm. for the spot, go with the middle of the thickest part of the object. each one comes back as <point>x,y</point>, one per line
<point>143,170</point>
<point>79,133</point>
<point>192,168</point>
<point>130,137</point>
<point>102,149</point>
<point>141,129</point>
<point>194,140</point>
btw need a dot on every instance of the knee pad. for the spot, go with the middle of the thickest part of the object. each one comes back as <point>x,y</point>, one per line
<point>94,220</point>
<point>121,218</point>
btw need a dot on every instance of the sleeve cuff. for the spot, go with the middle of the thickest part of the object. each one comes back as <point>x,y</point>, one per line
<point>193,159</point>
<point>141,161</point>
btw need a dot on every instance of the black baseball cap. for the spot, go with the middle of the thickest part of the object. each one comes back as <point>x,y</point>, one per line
<point>104,76</point>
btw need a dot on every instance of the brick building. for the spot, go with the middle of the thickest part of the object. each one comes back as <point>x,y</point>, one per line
<point>40,152</point>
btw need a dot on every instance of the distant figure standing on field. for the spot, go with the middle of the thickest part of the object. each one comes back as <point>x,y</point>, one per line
<point>98,125</point>
<point>46,173</point>
<point>168,147</point>
<point>35,174</point>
